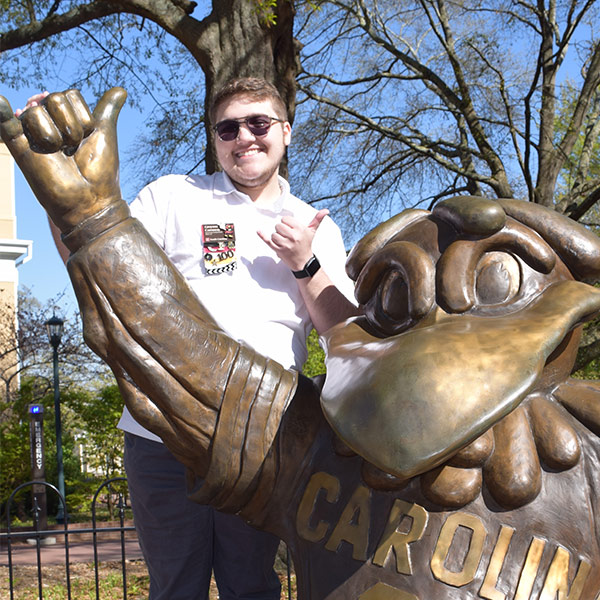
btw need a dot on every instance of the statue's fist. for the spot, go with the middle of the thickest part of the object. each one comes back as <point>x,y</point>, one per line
<point>67,153</point>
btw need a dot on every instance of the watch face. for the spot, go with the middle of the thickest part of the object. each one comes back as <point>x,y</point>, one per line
<point>310,268</point>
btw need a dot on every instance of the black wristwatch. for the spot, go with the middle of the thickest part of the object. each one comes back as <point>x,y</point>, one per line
<point>310,268</point>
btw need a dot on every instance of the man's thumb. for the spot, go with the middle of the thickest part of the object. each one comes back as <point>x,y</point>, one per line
<point>318,219</point>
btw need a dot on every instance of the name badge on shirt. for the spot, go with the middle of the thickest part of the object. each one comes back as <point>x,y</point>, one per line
<point>218,242</point>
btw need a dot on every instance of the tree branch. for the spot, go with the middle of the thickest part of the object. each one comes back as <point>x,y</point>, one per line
<point>577,212</point>
<point>171,15</point>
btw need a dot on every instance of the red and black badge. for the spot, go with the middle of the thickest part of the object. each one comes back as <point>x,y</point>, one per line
<point>218,242</point>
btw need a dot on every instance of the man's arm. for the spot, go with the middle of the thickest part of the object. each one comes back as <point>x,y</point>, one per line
<point>326,305</point>
<point>293,243</point>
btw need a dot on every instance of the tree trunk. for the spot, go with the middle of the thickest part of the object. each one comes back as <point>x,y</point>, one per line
<point>238,45</point>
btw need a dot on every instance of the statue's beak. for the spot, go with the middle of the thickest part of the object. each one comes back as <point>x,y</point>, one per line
<point>408,402</point>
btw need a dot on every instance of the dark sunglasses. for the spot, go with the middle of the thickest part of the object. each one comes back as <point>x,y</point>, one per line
<point>258,125</point>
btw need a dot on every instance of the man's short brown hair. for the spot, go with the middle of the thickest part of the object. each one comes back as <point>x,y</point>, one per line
<point>254,88</point>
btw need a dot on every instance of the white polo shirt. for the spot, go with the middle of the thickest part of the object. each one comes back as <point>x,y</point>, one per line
<point>259,302</point>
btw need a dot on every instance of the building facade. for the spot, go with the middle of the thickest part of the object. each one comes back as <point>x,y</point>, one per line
<point>13,252</point>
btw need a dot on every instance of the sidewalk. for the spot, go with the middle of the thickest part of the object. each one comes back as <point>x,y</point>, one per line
<point>108,550</point>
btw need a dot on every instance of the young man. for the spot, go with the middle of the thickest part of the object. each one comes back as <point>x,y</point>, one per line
<point>252,253</point>
<point>260,294</point>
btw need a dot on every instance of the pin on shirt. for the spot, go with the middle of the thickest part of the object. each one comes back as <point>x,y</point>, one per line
<point>218,242</point>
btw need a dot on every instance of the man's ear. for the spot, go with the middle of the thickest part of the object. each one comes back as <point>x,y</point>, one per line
<point>287,133</point>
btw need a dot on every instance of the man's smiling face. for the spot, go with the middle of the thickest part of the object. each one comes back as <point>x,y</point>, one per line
<point>252,162</point>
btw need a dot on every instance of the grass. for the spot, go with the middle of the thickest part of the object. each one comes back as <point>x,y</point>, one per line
<point>83,586</point>
<point>83,583</point>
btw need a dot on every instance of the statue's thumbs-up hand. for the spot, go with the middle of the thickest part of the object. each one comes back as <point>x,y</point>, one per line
<point>68,155</point>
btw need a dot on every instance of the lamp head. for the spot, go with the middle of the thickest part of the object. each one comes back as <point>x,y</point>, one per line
<point>55,327</point>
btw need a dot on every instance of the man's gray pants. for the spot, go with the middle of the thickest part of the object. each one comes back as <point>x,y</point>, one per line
<point>183,542</point>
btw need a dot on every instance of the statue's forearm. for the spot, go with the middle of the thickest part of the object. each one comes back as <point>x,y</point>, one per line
<point>211,399</point>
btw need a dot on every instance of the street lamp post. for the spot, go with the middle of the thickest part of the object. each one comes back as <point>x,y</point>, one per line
<point>54,326</point>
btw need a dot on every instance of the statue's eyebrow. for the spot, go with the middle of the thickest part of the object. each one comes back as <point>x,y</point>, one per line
<point>577,246</point>
<point>472,215</point>
<point>456,267</point>
<point>414,267</point>
<point>377,238</point>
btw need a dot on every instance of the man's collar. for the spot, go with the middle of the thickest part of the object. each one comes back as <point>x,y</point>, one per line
<point>223,186</point>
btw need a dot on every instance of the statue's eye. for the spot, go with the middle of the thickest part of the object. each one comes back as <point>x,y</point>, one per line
<point>497,278</point>
<point>394,297</point>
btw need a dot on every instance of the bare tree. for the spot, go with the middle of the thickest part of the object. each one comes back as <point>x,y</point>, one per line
<point>405,102</point>
<point>581,170</point>
<point>25,349</point>
<point>427,99</point>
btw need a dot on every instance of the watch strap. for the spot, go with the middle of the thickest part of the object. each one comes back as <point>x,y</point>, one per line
<point>310,268</point>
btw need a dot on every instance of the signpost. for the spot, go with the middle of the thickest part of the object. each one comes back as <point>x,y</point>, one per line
<point>38,465</point>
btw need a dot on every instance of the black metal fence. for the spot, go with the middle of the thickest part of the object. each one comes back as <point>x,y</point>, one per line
<point>40,533</point>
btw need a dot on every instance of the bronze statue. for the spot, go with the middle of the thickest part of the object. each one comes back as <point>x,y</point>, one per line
<point>448,454</point>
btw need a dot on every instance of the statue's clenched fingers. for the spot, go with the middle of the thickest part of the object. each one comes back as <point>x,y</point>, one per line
<point>82,111</point>
<point>65,119</point>
<point>41,131</point>
<point>36,167</point>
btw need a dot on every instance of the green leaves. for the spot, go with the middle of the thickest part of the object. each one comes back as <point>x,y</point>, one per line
<point>315,363</point>
<point>266,11</point>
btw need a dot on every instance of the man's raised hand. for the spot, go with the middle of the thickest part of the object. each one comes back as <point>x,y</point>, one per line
<point>292,241</point>
<point>68,154</point>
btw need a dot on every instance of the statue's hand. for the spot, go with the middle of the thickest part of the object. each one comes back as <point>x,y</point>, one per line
<point>68,154</point>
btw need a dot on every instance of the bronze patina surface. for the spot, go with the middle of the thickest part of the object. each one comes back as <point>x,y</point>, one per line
<point>449,455</point>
